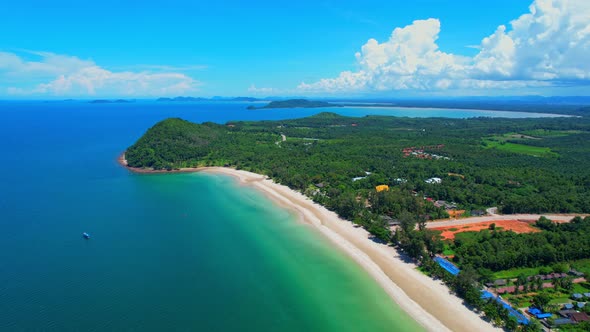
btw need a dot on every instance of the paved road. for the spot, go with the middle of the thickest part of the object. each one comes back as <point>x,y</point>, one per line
<point>283,138</point>
<point>495,217</point>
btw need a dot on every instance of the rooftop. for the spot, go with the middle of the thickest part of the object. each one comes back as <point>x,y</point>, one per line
<point>562,321</point>
<point>579,317</point>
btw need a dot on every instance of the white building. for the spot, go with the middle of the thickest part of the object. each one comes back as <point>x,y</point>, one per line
<point>433,180</point>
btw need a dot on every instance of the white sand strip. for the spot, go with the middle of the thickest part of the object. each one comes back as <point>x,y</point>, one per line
<point>427,301</point>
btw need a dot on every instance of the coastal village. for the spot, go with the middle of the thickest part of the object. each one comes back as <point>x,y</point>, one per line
<point>567,290</point>
<point>555,313</point>
<point>419,152</point>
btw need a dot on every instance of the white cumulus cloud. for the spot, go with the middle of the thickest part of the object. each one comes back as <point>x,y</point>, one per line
<point>547,46</point>
<point>62,75</point>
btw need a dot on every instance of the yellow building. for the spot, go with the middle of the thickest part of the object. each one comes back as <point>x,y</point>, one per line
<point>382,188</point>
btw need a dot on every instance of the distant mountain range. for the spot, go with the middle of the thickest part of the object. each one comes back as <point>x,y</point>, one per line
<point>108,101</point>
<point>197,99</point>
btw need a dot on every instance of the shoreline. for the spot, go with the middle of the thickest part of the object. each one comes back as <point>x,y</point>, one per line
<point>425,300</point>
<point>123,162</point>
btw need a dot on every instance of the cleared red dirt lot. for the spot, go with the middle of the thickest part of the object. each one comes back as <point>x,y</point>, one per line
<point>448,232</point>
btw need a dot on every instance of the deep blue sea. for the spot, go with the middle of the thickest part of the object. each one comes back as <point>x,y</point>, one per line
<point>182,252</point>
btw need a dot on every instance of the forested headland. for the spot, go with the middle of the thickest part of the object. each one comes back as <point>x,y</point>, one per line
<point>518,165</point>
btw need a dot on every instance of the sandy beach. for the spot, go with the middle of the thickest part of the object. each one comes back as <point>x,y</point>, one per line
<point>428,301</point>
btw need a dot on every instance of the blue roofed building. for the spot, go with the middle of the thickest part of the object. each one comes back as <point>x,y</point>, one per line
<point>520,318</point>
<point>486,295</point>
<point>539,313</point>
<point>448,266</point>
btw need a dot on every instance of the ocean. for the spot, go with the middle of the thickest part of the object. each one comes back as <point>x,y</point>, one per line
<point>182,252</point>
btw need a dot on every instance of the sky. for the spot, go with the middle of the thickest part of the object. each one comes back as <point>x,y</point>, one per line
<point>418,48</point>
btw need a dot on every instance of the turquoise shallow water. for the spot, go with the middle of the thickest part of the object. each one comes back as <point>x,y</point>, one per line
<point>182,252</point>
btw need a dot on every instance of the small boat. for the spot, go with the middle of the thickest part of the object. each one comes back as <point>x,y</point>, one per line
<point>86,235</point>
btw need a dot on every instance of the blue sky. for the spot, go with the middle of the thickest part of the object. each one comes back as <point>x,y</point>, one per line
<point>58,49</point>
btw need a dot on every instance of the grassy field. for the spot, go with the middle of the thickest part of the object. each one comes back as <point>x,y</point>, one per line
<point>579,288</point>
<point>536,151</point>
<point>519,301</point>
<point>560,300</point>
<point>582,265</point>
<point>513,273</point>
<point>447,251</point>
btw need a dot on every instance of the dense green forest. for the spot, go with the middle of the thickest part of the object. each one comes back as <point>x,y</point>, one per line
<point>482,162</point>
<point>497,250</point>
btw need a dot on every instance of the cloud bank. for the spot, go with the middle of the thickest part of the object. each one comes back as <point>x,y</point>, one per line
<point>63,75</point>
<point>546,47</point>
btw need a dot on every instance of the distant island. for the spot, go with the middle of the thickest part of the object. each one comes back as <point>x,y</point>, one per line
<point>295,103</point>
<point>108,101</point>
<point>577,106</point>
<point>182,99</point>
<point>197,99</point>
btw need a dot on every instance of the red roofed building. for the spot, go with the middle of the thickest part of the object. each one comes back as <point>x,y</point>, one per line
<point>579,317</point>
